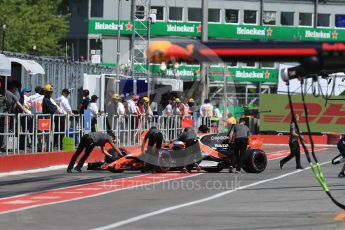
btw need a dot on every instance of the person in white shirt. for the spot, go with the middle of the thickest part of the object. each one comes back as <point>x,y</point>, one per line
<point>63,102</point>
<point>115,108</point>
<point>206,111</point>
<point>168,111</point>
<point>36,100</point>
<point>27,101</point>
<point>132,108</point>
<point>64,108</point>
<point>94,112</point>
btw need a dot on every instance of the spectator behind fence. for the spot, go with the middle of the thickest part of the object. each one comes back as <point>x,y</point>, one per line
<point>26,98</point>
<point>36,100</point>
<point>206,111</point>
<point>8,104</point>
<point>168,111</point>
<point>85,101</point>
<point>94,112</point>
<point>49,106</point>
<point>147,106</point>
<point>191,105</point>
<point>63,102</point>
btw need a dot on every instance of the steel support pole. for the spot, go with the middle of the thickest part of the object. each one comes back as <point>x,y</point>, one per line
<point>148,73</point>
<point>204,38</point>
<point>316,9</point>
<point>118,39</point>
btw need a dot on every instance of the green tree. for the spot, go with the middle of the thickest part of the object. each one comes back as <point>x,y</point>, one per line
<point>33,23</point>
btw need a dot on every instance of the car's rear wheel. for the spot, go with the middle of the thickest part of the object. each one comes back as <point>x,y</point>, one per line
<point>255,161</point>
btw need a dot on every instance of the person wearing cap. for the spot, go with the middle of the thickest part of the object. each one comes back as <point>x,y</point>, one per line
<point>27,101</point>
<point>48,106</point>
<point>114,108</point>
<point>191,104</point>
<point>240,136</point>
<point>147,107</point>
<point>63,102</point>
<point>88,142</point>
<point>93,111</point>
<point>176,107</point>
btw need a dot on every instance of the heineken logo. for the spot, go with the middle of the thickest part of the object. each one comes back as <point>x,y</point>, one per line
<point>316,34</point>
<point>107,26</point>
<point>183,72</point>
<point>252,74</point>
<point>180,28</point>
<point>251,31</point>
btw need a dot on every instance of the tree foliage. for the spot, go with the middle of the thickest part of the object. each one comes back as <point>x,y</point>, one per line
<point>33,23</point>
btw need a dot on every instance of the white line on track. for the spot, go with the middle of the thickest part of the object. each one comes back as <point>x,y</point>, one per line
<point>218,195</point>
<point>16,173</point>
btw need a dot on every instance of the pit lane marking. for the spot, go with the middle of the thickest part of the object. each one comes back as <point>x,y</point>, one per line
<point>213,197</point>
<point>28,201</point>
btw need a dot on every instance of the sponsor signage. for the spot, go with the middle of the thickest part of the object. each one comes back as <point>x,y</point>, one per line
<point>329,118</point>
<point>216,73</point>
<point>216,141</point>
<point>186,29</point>
<point>44,124</point>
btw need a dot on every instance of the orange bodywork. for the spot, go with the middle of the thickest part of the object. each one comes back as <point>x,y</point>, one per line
<point>130,161</point>
<point>165,51</point>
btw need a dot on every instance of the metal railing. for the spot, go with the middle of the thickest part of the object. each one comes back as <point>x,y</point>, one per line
<point>23,133</point>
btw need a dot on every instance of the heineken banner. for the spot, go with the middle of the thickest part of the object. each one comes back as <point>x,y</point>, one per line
<point>216,73</point>
<point>276,114</point>
<point>183,29</point>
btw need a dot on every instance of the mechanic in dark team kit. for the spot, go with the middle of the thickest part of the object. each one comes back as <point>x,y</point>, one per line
<point>155,140</point>
<point>88,142</point>
<point>192,151</point>
<point>341,148</point>
<point>240,134</point>
<point>294,145</point>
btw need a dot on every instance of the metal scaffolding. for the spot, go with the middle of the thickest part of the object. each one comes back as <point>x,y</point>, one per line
<point>141,34</point>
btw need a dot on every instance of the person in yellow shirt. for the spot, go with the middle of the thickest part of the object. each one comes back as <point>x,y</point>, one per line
<point>231,120</point>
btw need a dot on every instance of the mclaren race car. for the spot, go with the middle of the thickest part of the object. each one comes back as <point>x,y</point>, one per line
<point>212,154</point>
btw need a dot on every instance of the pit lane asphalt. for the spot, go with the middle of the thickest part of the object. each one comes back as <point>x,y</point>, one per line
<point>292,202</point>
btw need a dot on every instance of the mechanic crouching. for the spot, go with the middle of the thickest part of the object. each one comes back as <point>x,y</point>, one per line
<point>240,134</point>
<point>155,140</point>
<point>192,150</point>
<point>88,142</point>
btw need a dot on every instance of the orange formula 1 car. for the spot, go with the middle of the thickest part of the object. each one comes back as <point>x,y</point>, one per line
<point>214,156</point>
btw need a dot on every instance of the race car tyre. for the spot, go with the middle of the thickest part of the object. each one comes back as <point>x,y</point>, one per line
<point>255,161</point>
<point>216,169</point>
